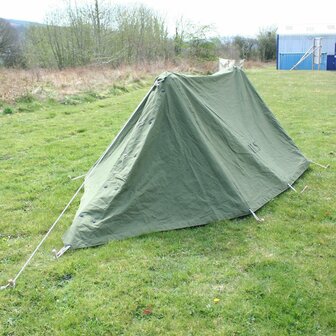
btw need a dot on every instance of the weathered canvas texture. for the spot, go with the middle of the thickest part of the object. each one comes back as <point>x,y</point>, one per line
<point>198,149</point>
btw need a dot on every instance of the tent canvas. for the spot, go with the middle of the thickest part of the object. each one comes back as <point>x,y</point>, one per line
<point>198,149</point>
<point>226,63</point>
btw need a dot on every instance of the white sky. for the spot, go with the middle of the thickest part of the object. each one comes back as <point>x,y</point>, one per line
<point>230,17</point>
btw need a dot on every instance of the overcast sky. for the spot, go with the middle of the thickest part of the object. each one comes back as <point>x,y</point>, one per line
<point>230,17</point>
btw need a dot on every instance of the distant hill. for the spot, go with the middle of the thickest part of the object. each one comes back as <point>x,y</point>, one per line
<point>20,24</point>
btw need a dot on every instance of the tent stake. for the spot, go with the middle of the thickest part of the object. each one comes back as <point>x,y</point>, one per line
<point>12,282</point>
<point>61,251</point>
<point>78,177</point>
<point>290,186</point>
<point>318,164</point>
<point>258,219</point>
<point>304,189</point>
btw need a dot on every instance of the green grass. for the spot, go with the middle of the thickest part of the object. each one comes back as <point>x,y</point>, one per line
<point>277,277</point>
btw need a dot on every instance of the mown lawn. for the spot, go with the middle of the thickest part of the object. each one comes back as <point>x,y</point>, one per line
<point>277,277</point>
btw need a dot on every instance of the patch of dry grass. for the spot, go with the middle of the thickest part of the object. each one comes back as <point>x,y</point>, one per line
<point>53,83</point>
<point>258,64</point>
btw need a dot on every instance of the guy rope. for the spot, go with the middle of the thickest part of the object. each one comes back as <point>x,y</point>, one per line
<point>12,282</point>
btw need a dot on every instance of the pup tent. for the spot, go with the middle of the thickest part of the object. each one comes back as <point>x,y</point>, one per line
<point>198,149</point>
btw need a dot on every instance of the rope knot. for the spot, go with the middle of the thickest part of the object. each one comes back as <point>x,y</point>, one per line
<point>11,283</point>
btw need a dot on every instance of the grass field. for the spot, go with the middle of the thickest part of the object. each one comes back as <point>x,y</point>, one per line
<point>277,277</point>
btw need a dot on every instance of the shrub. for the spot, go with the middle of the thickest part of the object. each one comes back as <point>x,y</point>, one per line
<point>26,98</point>
<point>7,110</point>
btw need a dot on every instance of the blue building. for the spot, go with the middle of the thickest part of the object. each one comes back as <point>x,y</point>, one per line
<point>294,41</point>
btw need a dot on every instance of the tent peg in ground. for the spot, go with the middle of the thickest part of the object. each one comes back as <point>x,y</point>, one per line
<point>61,251</point>
<point>290,186</point>
<point>78,177</point>
<point>54,252</point>
<point>303,190</point>
<point>258,219</point>
<point>320,165</point>
<point>10,284</point>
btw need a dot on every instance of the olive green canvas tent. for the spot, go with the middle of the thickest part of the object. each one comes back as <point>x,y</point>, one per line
<point>198,149</point>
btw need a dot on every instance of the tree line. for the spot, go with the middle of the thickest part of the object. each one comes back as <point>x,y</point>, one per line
<point>100,33</point>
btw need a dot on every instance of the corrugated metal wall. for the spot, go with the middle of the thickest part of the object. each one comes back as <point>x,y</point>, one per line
<point>301,43</point>
<point>287,60</point>
<point>290,48</point>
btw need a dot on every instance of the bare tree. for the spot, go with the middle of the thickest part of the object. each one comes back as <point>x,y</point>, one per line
<point>267,43</point>
<point>98,32</point>
<point>137,33</point>
<point>192,40</point>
